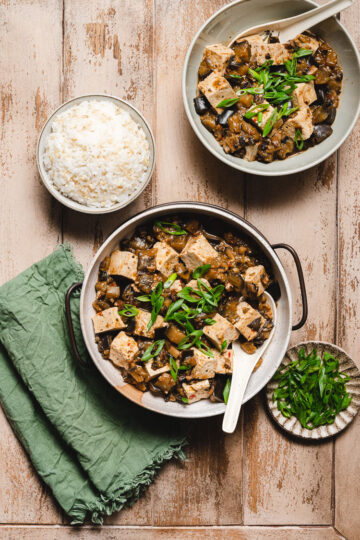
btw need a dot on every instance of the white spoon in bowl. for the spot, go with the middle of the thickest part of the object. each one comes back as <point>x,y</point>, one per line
<point>293,26</point>
<point>243,366</point>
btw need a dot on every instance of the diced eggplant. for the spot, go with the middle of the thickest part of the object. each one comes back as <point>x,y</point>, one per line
<point>103,275</point>
<point>331,117</point>
<point>321,132</point>
<point>201,105</point>
<point>223,118</point>
<point>320,94</point>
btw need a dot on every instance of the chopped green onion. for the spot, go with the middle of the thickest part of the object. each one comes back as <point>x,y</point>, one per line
<point>175,230</point>
<point>235,76</point>
<point>312,389</point>
<point>223,345</point>
<point>226,390</point>
<point>227,103</point>
<point>150,352</point>
<point>173,308</point>
<point>143,298</point>
<point>129,311</point>
<point>173,368</point>
<point>256,109</point>
<point>184,400</point>
<point>303,52</point>
<point>170,281</point>
<point>270,123</point>
<point>201,270</point>
<point>299,141</point>
<point>210,321</point>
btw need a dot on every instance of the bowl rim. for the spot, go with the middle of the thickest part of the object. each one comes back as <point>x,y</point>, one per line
<point>74,205</point>
<point>222,156</point>
<point>217,212</point>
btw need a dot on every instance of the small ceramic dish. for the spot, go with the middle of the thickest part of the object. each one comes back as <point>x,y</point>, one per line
<point>223,27</point>
<point>74,205</point>
<point>344,418</point>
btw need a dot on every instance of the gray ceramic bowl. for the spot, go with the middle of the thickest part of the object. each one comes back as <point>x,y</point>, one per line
<point>74,205</point>
<point>243,14</point>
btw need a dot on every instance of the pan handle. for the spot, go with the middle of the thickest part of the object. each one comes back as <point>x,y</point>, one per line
<point>70,324</point>
<point>295,256</point>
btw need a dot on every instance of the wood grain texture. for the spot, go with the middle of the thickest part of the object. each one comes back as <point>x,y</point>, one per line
<point>216,533</point>
<point>185,169</point>
<point>30,63</point>
<point>54,50</point>
<point>285,481</point>
<point>107,49</point>
<point>347,463</point>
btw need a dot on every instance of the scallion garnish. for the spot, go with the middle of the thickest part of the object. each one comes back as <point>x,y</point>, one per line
<point>201,270</point>
<point>157,302</point>
<point>184,400</point>
<point>226,390</point>
<point>227,103</point>
<point>175,229</point>
<point>173,368</point>
<point>170,281</point>
<point>270,123</point>
<point>299,141</point>
<point>129,311</point>
<point>223,345</point>
<point>150,352</point>
<point>312,389</point>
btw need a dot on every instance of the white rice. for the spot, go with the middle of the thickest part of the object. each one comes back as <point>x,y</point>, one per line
<point>96,154</point>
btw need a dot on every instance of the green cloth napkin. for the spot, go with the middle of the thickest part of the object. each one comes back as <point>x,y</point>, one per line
<point>94,449</point>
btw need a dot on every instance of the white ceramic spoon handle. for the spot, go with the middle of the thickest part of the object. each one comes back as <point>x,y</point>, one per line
<point>239,382</point>
<point>312,18</point>
<point>293,26</point>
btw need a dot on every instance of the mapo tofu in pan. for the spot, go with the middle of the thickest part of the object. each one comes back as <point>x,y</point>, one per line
<point>171,301</point>
<point>264,100</point>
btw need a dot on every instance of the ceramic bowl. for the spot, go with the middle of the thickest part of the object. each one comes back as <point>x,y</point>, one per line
<point>135,115</point>
<point>344,418</point>
<point>224,26</point>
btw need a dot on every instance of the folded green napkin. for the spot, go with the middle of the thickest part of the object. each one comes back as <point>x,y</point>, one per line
<point>94,449</point>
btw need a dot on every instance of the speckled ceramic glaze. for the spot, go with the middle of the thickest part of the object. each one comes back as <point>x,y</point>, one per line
<point>343,419</point>
<point>226,24</point>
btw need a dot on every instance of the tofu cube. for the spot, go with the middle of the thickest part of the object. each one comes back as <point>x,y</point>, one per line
<point>107,320</point>
<point>155,372</point>
<point>197,252</point>
<point>123,263</point>
<point>277,52</point>
<point>221,331</point>
<point>304,95</point>
<point>205,365</point>
<point>302,120</point>
<point>255,38</point>
<point>197,391</point>
<point>142,320</point>
<point>307,42</point>
<point>256,279</point>
<point>249,322</point>
<point>216,88</point>
<point>165,259</point>
<point>177,286</point>
<point>224,362</point>
<point>123,350</point>
<point>217,57</point>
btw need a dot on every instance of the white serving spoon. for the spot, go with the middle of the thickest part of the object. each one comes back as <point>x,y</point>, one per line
<point>243,366</point>
<point>293,26</point>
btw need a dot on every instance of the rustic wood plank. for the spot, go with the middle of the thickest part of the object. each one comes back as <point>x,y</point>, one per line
<point>203,533</point>
<point>287,481</point>
<point>347,465</point>
<point>206,489</point>
<point>30,59</point>
<point>185,169</point>
<point>107,49</point>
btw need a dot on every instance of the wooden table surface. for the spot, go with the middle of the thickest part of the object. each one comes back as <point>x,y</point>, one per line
<point>257,483</point>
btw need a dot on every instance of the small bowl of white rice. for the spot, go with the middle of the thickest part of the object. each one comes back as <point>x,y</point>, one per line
<point>96,154</point>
